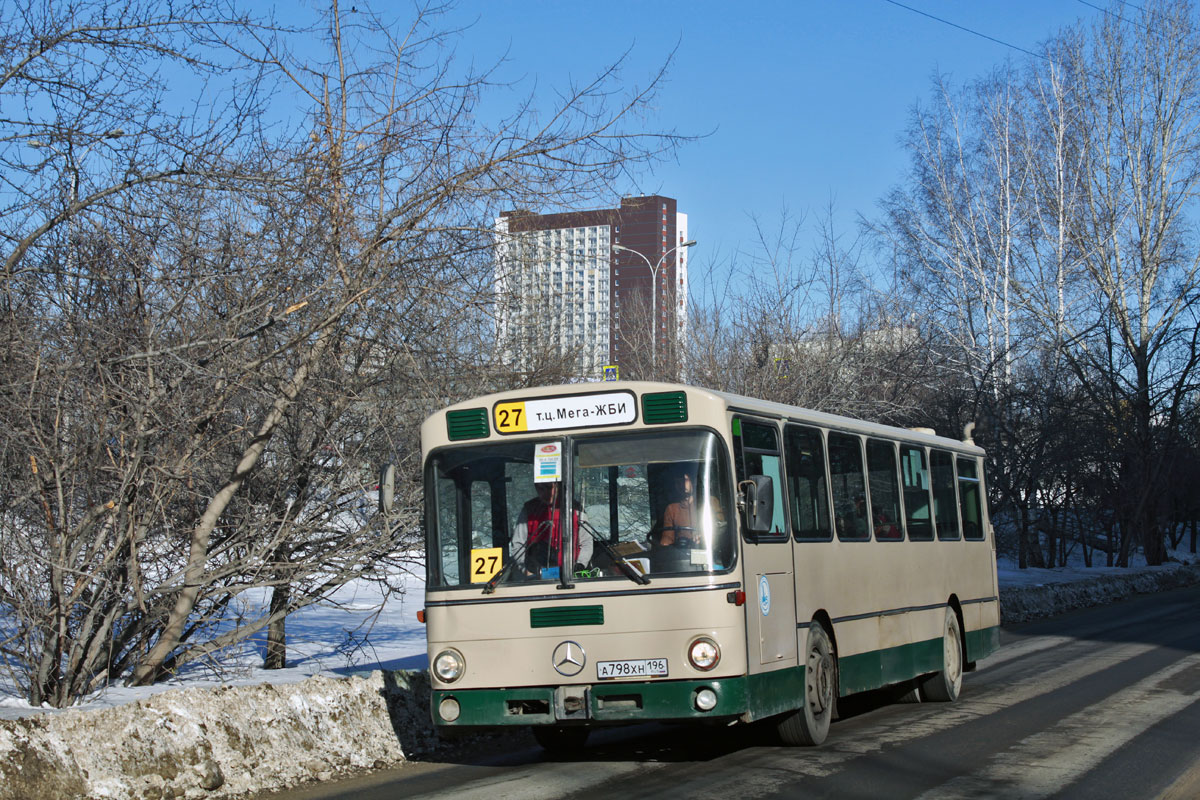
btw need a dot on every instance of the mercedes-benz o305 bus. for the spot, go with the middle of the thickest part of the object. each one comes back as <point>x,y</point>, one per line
<point>625,552</point>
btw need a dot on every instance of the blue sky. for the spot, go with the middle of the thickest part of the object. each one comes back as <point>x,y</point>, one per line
<point>805,101</point>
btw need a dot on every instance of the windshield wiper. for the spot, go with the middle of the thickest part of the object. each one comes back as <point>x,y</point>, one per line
<point>620,562</point>
<point>490,586</point>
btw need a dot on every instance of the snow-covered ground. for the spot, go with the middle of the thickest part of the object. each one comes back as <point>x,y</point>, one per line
<point>356,632</point>
<point>1011,577</point>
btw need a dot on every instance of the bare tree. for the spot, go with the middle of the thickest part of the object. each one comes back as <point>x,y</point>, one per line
<point>1138,91</point>
<point>1046,234</point>
<point>806,329</point>
<point>206,361</point>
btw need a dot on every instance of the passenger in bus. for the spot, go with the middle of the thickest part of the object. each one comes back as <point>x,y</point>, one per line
<point>884,528</point>
<point>681,518</point>
<point>539,532</point>
<point>677,524</point>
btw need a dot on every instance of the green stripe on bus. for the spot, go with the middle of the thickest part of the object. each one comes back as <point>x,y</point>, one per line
<point>775,692</point>
<point>562,616</point>
<point>609,702</point>
<point>982,643</point>
<point>878,668</point>
<point>865,671</point>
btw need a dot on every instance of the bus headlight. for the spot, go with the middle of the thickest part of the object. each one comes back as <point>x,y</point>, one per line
<point>704,654</point>
<point>449,665</point>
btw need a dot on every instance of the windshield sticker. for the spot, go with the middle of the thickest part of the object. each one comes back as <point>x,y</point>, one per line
<point>547,462</point>
<point>570,411</point>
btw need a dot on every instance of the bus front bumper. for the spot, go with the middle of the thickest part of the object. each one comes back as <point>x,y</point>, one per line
<point>594,703</point>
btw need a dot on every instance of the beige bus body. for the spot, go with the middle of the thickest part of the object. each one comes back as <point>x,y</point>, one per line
<point>883,604</point>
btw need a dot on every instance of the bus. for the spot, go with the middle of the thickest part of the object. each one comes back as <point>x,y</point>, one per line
<point>615,553</point>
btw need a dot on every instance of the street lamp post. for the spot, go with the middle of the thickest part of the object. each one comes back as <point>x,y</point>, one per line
<point>654,268</point>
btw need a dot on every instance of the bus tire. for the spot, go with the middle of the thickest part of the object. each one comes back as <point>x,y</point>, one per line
<point>809,725</point>
<point>945,685</point>
<point>560,740</point>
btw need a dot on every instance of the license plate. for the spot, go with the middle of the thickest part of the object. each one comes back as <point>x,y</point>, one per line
<point>637,668</point>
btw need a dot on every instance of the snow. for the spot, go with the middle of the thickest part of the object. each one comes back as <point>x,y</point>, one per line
<point>356,632</point>
<point>1012,577</point>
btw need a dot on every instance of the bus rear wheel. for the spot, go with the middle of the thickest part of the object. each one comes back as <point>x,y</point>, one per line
<point>809,725</point>
<point>560,740</point>
<point>945,686</point>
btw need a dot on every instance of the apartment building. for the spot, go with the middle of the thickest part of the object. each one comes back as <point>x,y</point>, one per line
<point>606,286</point>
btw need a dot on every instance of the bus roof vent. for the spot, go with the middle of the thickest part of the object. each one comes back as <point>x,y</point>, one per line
<point>469,423</point>
<point>660,408</point>
<point>926,431</point>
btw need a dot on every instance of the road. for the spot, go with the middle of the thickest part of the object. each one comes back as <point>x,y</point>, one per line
<point>1093,704</point>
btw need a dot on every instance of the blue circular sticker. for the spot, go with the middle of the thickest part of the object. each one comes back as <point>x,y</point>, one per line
<point>764,595</point>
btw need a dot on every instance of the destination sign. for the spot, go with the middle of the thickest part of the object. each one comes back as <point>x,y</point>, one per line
<point>570,411</point>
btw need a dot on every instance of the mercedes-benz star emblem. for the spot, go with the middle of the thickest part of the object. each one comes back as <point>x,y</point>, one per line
<point>568,659</point>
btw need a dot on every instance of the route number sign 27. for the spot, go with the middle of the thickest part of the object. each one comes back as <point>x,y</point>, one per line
<point>485,562</point>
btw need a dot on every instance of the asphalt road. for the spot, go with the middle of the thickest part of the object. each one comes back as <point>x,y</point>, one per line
<point>1099,703</point>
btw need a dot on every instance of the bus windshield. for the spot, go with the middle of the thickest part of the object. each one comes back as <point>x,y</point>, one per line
<point>660,502</point>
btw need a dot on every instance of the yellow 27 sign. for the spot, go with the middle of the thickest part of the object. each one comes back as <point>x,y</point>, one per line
<point>510,417</point>
<point>485,562</point>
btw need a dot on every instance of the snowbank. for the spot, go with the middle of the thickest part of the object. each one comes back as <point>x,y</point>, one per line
<point>1056,595</point>
<point>195,743</point>
<point>231,741</point>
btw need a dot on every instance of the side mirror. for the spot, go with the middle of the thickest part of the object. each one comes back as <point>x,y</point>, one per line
<point>387,487</point>
<point>758,503</point>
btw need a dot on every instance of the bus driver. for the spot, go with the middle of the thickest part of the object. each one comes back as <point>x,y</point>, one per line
<point>539,532</point>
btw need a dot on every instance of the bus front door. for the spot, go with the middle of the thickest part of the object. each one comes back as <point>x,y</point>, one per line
<point>767,559</point>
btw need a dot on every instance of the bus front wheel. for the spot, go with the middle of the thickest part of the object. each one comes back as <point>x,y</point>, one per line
<point>560,740</point>
<point>944,686</point>
<point>809,725</point>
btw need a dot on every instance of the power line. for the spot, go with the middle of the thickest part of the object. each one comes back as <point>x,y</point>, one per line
<point>1111,14</point>
<point>968,30</point>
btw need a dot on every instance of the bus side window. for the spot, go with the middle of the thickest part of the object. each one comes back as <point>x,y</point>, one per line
<point>759,455</point>
<point>849,487</point>
<point>917,502</point>
<point>945,502</point>
<point>808,486</point>
<point>969,497</point>
<point>885,492</point>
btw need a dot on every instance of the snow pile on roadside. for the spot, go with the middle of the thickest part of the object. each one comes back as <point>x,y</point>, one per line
<point>195,743</point>
<point>1029,601</point>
